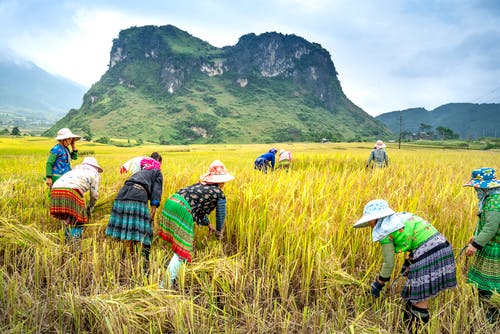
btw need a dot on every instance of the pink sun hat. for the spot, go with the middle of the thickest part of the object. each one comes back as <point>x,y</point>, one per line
<point>217,173</point>
<point>379,144</point>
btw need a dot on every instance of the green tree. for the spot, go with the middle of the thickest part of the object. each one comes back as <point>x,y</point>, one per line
<point>15,131</point>
<point>103,140</point>
<point>446,133</point>
<point>406,135</point>
<point>427,128</point>
<point>88,133</point>
<point>163,140</point>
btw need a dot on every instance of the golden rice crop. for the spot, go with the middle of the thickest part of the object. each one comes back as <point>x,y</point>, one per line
<point>290,261</point>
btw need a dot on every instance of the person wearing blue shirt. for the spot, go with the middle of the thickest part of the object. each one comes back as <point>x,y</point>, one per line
<point>59,161</point>
<point>266,160</point>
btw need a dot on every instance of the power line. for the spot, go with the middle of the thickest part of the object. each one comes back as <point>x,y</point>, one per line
<point>486,95</point>
<point>493,99</point>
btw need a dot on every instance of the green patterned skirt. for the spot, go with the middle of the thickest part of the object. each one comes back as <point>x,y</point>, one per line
<point>484,271</point>
<point>177,226</point>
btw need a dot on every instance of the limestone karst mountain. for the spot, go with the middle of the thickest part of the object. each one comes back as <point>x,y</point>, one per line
<point>164,85</point>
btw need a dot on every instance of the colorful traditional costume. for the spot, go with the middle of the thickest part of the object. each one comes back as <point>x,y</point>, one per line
<point>59,160</point>
<point>430,267</point>
<point>192,205</point>
<point>484,270</point>
<point>67,200</point>
<point>130,216</point>
<point>188,206</point>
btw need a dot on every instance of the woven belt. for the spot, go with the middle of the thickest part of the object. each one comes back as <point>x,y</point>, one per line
<point>138,186</point>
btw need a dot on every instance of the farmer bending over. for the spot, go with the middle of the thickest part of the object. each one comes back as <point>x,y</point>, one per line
<point>430,266</point>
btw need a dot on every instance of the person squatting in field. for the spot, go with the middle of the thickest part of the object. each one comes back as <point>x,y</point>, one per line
<point>378,155</point>
<point>284,159</point>
<point>191,205</point>
<point>131,219</point>
<point>134,165</point>
<point>67,200</point>
<point>484,246</point>
<point>59,160</point>
<point>266,161</point>
<point>430,266</point>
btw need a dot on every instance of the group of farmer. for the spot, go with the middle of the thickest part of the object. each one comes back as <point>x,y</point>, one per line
<point>267,161</point>
<point>429,267</point>
<point>136,202</point>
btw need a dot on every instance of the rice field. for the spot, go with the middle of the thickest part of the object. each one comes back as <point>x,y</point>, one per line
<point>290,261</point>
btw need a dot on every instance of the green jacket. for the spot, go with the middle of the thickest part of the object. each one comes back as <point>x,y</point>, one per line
<point>488,225</point>
<point>415,232</point>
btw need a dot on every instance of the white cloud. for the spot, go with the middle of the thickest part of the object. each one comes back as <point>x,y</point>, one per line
<point>389,54</point>
<point>81,52</point>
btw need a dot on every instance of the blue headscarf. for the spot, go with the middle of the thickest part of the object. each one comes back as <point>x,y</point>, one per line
<point>388,224</point>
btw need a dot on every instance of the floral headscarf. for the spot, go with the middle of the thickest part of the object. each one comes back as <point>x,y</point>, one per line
<point>482,194</point>
<point>150,163</point>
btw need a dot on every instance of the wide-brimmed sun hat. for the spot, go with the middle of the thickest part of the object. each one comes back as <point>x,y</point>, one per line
<point>217,173</point>
<point>273,150</point>
<point>483,178</point>
<point>375,209</point>
<point>379,144</point>
<point>66,133</point>
<point>92,162</point>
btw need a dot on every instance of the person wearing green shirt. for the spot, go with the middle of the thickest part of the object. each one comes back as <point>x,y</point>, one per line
<point>59,160</point>
<point>430,266</point>
<point>484,245</point>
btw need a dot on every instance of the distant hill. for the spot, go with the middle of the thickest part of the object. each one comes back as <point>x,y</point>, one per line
<point>469,120</point>
<point>167,86</point>
<point>31,98</point>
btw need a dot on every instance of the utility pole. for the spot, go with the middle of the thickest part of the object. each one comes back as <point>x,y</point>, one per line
<point>400,128</point>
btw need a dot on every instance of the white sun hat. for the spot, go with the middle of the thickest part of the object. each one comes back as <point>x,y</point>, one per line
<point>375,209</point>
<point>66,133</point>
<point>92,162</point>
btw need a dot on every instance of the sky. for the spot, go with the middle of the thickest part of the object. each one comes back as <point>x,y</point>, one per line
<point>389,54</point>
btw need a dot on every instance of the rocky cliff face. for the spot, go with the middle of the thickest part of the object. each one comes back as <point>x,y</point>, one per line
<point>161,47</point>
<point>270,55</point>
<point>274,55</point>
<point>278,83</point>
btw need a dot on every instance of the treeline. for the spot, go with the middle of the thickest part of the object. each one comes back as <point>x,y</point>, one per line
<point>426,132</point>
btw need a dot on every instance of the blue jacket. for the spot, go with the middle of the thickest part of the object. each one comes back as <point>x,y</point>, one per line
<point>59,161</point>
<point>268,157</point>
